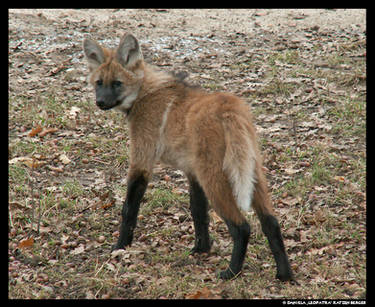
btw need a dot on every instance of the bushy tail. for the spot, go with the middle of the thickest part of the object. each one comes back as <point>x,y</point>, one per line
<point>240,160</point>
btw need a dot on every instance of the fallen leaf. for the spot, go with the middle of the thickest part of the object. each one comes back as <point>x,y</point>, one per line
<point>56,169</point>
<point>47,289</point>
<point>19,159</point>
<point>291,171</point>
<point>203,294</point>
<point>215,217</point>
<point>44,229</point>
<point>107,205</point>
<point>30,162</point>
<point>319,280</point>
<point>35,131</point>
<point>317,251</point>
<point>64,238</point>
<point>61,67</point>
<point>261,13</point>
<point>17,205</point>
<point>73,112</point>
<point>26,243</point>
<point>300,16</point>
<point>339,178</point>
<point>290,201</point>
<point>64,159</point>
<point>101,239</point>
<point>111,267</point>
<point>47,130</point>
<point>90,295</point>
<point>118,252</point>
<point>34,163</point>
<point>78,250</point>
<point>320,216</point>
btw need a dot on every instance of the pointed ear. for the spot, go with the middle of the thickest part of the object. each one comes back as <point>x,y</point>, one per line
<point>128,52</point>
<point>94,53</point>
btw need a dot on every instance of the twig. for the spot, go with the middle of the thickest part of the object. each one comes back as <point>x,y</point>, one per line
<point>10,219</point>
<point>100,161</point>
<point>235,275</point>
<point>18,46</point>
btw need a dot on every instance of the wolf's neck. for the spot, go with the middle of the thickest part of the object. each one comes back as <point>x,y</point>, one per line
<point>154,80</point>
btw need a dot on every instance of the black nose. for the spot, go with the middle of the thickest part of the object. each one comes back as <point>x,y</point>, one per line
<point>100,103</point>
<point>103,106</point>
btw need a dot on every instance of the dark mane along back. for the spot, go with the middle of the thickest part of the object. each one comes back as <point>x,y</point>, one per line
<point>180,77</point>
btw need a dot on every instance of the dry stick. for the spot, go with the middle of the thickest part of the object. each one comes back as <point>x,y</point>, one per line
<point>10,219</point>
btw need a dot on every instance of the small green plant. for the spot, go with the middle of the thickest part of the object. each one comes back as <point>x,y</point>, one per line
<point>163,198</point>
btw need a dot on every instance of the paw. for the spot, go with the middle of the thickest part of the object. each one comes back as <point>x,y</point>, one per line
<point>117,246</point>
<point>285,276</point>
<point>199,250</point>
<point>229,274</point>
<point>201,246</point>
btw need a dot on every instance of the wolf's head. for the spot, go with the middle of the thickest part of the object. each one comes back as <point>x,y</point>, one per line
<point>117,75</point>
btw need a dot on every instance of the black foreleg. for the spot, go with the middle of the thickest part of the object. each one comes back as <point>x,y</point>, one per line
<point>136,188</point>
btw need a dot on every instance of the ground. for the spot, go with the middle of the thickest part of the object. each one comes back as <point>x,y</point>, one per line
<point>304,74</point>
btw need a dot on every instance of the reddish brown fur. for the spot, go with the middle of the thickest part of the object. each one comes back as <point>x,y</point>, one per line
<point>209,136</point>
<point>193,138</point>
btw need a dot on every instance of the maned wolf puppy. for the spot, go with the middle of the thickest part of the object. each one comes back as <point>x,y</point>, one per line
<point>209,136</point>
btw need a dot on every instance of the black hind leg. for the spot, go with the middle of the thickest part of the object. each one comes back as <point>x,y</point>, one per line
<point>199,211</point>
<point>240,235</point>
<point>271,229</point>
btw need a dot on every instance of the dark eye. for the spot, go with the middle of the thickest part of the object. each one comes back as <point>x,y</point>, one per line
<point>99,82</point>
<point>116,84</point>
